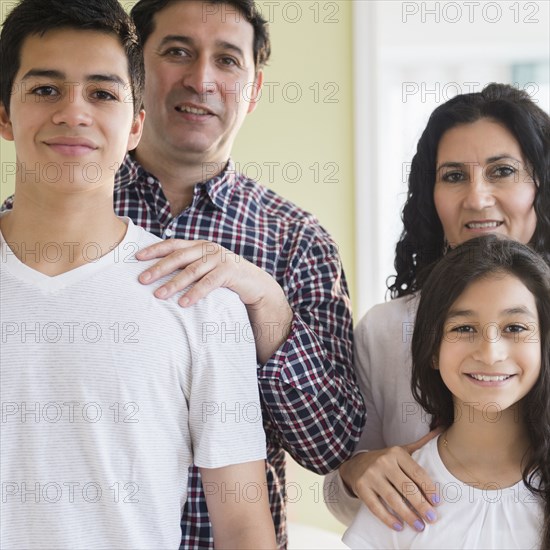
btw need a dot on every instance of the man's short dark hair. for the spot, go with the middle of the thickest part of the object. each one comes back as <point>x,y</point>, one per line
<point>144,12</point>
<point>37,17</point>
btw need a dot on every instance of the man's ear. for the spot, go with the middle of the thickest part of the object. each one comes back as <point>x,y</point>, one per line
<point>136,131</point>
<point>6,130</point>
<point>256,91</point>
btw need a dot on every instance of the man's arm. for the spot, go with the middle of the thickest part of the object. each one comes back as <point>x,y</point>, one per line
<point>313,406</point>
<point>244,521</point>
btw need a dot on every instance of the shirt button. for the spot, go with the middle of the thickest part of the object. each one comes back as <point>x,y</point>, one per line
<point>168,233</point>
<point>150,180</point>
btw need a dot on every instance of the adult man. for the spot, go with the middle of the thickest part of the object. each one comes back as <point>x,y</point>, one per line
<point>204,63</point>
<point>108,395</point>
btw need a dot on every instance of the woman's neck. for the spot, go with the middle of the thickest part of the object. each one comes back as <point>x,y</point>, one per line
<point>485,447</point>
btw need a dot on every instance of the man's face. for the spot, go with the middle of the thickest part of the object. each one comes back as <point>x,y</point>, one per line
<point>71,113</point>
<point>200,80</point>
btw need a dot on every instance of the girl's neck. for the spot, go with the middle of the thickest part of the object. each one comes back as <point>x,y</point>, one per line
<point>485,447</point>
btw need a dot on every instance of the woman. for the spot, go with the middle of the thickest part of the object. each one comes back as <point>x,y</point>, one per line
<point>482,166</point>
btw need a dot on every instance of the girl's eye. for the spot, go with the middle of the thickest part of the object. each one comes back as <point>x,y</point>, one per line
<point>463,329</point>
<point>515,328</point>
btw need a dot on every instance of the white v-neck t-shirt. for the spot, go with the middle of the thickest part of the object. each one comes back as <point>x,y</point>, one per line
<point>485,518</point>
<point>109,394</point>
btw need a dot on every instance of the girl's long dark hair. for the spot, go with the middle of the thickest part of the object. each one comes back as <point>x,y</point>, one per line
<point>422,240</point>
<point>449,278</point>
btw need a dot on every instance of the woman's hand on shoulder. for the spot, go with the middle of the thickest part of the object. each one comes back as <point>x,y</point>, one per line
<point>393,486</point>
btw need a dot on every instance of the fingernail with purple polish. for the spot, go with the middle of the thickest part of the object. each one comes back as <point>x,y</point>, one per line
<point>430,514</point>
<point>418,525</point>
<point>398,526</point>
<point>436,499</point>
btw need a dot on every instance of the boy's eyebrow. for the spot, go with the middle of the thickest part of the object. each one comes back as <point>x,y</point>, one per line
<point>516,310</point>
<point>222,44</point>
<point>58,75</point>
<point>44,73</point>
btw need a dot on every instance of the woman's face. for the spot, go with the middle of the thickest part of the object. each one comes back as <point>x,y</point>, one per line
<point>482,184</point>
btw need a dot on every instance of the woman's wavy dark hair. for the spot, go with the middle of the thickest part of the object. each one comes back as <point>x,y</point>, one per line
<point>473,260</point>
<point>422,240</point>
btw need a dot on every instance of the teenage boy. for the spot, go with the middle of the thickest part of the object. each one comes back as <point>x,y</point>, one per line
<point>108,395</point>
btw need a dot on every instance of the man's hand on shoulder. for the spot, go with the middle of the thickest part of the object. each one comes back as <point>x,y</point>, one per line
<point>210,266</point>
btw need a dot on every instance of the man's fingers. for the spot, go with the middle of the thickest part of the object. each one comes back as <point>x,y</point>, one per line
<point>206,284</point>
<point>162,249</point>
<point>179,259</point>
<point>192,273</point>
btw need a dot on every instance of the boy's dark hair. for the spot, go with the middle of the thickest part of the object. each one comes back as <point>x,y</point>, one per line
<point>36,17</point>
<point>470,262</point>
<point>422,240</point>
<point>144,12</point>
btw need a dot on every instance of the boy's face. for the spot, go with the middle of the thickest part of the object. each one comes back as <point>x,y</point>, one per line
<point>71,113</point>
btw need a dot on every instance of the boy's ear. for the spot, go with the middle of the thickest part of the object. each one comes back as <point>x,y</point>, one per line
<point>136,131</point>
<point>6,130</point>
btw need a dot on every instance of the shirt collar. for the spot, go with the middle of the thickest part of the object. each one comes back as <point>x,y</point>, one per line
<point>219,189</point>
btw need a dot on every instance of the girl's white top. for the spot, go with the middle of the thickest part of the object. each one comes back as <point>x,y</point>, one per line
<point>482,517</point>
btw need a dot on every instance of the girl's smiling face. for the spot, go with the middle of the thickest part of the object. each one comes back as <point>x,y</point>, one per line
<point>490,354</point>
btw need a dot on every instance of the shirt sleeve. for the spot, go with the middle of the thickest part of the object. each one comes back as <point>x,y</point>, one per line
<point>225,417</point>
<point>312,403</point>
<point>341,503</point>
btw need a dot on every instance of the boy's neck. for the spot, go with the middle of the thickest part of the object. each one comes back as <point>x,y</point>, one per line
<point>55,234</point>
<point>483,447</point>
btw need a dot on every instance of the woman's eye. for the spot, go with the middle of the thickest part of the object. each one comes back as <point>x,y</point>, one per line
<point>453,177</point>
<point>503,172</point>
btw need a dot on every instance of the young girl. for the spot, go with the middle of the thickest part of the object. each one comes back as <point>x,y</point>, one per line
<point>481,368</point>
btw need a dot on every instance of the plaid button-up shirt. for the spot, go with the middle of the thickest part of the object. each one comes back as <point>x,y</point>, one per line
<point>311,405</point>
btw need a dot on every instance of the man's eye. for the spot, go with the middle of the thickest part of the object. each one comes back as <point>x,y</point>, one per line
<point>176,52</point>
<point>228,61</point>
